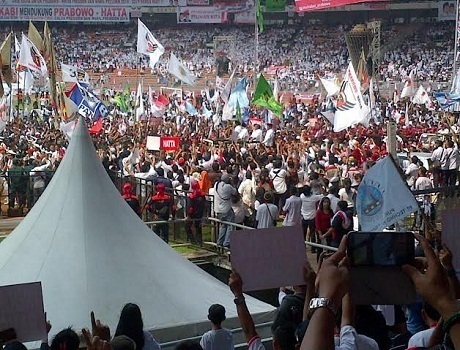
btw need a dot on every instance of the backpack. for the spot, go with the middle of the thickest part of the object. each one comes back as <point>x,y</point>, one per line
<point>290,312</point>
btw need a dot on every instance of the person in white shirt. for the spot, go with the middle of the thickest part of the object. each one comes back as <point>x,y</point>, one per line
<point>309,205</point>
<point>267,213</point>
<point>269,138</point>
<point>449,166</point>
<point>435,158</point>
<point>347,193</point>
<point>278,177</point>
<point>412,172</point>
<point>256,135</point>
<point>292,208</point>
<point>430,317</point>
<point>247,190</point>
<point>38,176</point>
<point>217,338</point>
<point>243,135</point>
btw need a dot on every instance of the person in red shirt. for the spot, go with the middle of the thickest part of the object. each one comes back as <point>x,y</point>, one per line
<point>323,219</point>
<point>131,199</point>
<point>161,205</point>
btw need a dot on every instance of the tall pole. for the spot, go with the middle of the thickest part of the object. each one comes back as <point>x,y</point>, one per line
<point>12,49</point>
<point>256,43</point>
<point>456,48</point>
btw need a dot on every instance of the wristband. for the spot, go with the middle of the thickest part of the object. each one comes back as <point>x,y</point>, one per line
<point>451,321</point>
<point>239,300</point>
<point>451,273</point>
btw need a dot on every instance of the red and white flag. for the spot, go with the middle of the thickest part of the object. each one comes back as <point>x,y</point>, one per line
<point>31,58</point>
<point>409,86</point>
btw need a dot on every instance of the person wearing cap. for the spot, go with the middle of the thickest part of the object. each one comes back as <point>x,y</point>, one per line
<point>223,193</point>
<point>217,338</point>
<point>130,198</point>
<point>161,205</point>
<point>267,213</point>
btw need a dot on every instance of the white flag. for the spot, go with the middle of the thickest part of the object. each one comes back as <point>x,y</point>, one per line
<point>409,87</point>
<point>225,94</point>
<point>73,74</point>
<point>147,44</point>
<point>26,81</point>
<point>31,58</point>
<point>17,46</point>
<point>68,128</point>
<point>395,95</point>
<point>330,86</point>
<point>421,96</point>
<point>180,71</point>
<point>383,197</point>
<point>4,109</point>
<point>350,108</point>
<point>140,110</point>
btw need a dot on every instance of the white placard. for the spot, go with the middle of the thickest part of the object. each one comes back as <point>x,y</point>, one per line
<point>153,143</point>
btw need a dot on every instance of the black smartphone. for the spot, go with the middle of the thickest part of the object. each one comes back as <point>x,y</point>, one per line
<point>380,248</point>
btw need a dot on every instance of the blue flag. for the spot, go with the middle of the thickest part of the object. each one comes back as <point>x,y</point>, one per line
<point>89,105</point>
<point>446,99</point>
<point>190,108</point>
<point>239,95</point>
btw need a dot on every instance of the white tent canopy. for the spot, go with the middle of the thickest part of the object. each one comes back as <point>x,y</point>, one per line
<point>92,253</point>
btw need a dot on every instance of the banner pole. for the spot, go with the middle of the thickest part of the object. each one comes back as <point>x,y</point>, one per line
<point>256,45</point>
<point>456,48</point>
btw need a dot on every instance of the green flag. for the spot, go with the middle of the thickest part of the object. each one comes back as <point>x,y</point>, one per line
<point>260,17</point>
<point>121,101</point>
<point>275,5</point>
<point>263,97</point>
<point>238,111</point>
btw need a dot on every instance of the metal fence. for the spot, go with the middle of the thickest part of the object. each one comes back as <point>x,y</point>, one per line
<point>19,192</point>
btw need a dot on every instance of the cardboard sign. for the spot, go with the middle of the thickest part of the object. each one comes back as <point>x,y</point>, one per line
<point>153,143</point>
<point>169,143</point>
<point>22,309</point>
<point>450,225</point>
<point>269,258</point>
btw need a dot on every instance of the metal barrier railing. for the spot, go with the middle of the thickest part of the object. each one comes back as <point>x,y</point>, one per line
<point>217,221</point>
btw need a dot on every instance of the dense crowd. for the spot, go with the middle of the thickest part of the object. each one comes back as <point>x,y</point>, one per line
<point>301,53</point>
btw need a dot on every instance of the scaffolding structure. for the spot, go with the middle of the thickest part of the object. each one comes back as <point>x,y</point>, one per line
<point>365,39</point>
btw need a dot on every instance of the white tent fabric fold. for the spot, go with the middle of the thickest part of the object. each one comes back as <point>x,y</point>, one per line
<point>92,253</point>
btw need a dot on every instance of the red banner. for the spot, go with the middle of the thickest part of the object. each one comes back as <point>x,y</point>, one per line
<point>169,143</point>
<point>315,5</point>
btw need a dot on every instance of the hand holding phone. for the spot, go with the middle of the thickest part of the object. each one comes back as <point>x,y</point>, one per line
<point>380,248</point>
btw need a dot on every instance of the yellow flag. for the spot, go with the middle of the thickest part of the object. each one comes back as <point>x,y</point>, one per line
<point>35,37</point>
<point>5,60</point>
<point>50,60</point>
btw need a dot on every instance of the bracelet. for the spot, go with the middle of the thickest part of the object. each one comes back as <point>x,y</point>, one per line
<point>451,273</point>
<point>451,321</point>
<point>239,300</point>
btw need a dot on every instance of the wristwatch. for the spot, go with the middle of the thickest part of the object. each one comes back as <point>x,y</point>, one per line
<point>317,303</point>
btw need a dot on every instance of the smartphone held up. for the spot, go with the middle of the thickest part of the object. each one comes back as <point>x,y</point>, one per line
<point>380,248</point>
<point>376,259</point>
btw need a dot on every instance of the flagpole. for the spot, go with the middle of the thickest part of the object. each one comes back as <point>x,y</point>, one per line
<point>454,66</point>
<point>12,45</point>
<point>256,44</point>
